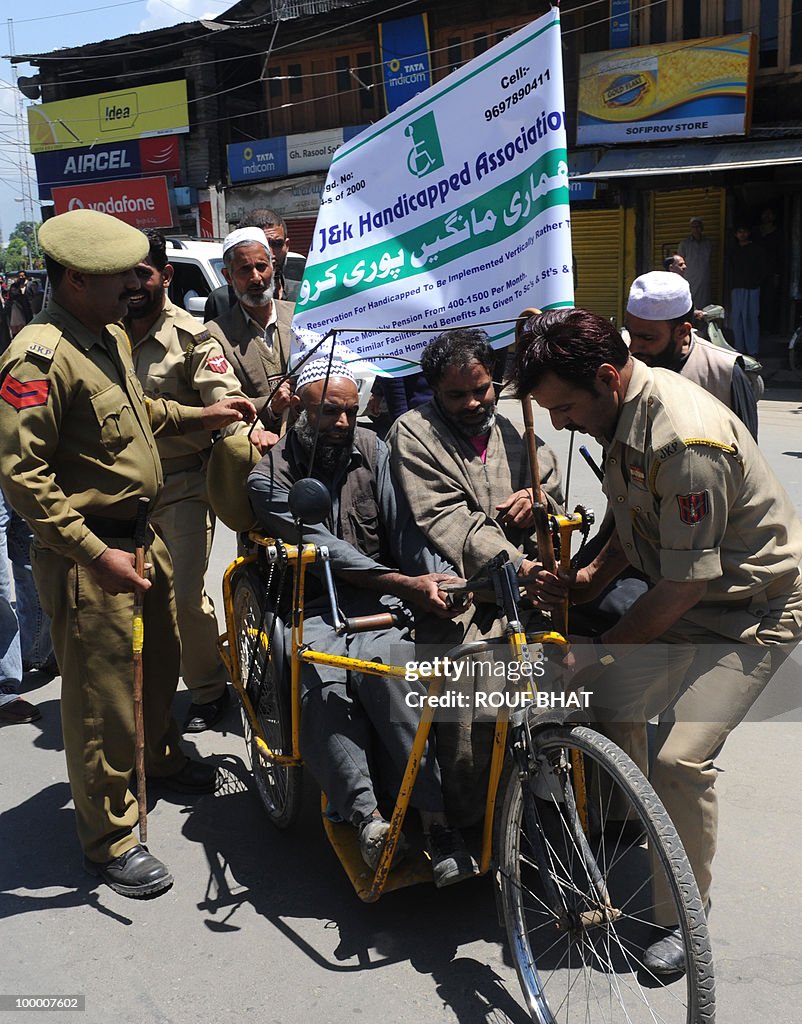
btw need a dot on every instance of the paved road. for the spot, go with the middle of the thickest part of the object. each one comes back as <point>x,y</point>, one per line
<point>265,925</point>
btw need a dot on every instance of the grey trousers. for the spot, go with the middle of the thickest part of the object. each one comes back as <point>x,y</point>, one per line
<point>357,730</point>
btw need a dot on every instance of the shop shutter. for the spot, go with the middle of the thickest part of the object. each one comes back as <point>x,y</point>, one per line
<point>671,216</point>
<point>300,231</point>
<point>598,240</point>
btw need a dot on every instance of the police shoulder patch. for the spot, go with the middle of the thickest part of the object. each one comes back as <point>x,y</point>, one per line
<point>24,394</point>
<point>693,507</point>
<point>217,363</point>
<point>668,450</point>
<point>44,347</point>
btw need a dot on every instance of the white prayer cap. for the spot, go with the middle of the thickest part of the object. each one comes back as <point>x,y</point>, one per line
<point>318,369</point>
<point>697,220</point>
<point>659,296</point>
<point>245,235</point>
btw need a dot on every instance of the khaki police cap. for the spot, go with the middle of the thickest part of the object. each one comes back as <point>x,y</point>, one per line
<point>93,242</point>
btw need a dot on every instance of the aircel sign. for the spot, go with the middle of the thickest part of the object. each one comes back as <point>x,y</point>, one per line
<point>106,162</point>
<point>145,203</point>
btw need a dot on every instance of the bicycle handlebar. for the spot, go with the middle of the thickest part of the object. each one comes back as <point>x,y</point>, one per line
<point>364,623</point>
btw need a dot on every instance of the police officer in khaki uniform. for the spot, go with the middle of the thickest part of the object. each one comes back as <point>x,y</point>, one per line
<point>176,358</point>
<point>77,451</point>
<point>700,512</point>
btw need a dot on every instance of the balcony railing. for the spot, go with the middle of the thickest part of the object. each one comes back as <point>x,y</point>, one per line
<point>284,10</point>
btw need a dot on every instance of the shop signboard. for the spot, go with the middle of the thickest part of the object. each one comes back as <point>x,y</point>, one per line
<point>145,202</point>
<point>138,112</point>
<point>134,159</point>
<point>690,89</point>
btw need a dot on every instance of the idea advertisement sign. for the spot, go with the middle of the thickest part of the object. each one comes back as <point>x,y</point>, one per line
<point>144,203</point>
<point>140,112</point>
<point>119,160</point>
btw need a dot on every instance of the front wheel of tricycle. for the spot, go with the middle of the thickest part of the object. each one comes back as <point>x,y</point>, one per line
<point>576,889</point>
<point>264,674</point>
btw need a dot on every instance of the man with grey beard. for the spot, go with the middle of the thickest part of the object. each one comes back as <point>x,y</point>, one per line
<point>464,466</point>
<point>379,558</point>
<point>255,333</point>
<point>464,470</point>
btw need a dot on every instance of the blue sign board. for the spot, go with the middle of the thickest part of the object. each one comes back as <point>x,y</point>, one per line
<point>263,159</point>
<point>580,163</point>
<point>113,161</point>
<point>258,160</point>
<point>620,24</point>
<point>404,46</point>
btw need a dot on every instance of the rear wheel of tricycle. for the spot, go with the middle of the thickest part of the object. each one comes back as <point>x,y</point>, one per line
<point>264,674</point>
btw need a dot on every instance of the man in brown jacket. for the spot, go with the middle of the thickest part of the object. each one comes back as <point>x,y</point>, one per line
<point>255,334</point>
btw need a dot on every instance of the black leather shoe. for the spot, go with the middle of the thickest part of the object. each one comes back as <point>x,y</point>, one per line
<point>194,777</point>
<point>19,712</point>
<point>667,954</point>
<point>201,717</point>
<point>136,873</point>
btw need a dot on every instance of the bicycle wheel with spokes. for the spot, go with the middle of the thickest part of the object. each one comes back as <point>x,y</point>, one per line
<point>260,649</point>
<point>577,900</point>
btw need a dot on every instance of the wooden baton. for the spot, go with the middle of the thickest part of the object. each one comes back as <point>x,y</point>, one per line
<point>138,640</point>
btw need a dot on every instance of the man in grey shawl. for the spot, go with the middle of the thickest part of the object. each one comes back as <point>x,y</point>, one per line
<point>464,469</point>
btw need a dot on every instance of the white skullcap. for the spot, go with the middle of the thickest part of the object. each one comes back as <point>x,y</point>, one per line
<point>697,220</point>
<point>659,295</point>
<point>318,369</point>
<point>245,235</point>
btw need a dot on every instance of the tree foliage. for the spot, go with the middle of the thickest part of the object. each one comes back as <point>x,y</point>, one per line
<point>23,237</point>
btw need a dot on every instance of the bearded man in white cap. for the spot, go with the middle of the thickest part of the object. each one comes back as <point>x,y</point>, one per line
<point>255,333</point>
<point>659,319</point>
<point>378,556</point>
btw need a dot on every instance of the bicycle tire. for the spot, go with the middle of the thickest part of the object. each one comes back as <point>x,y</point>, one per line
<point>588,969</point>
<point>263,675</point>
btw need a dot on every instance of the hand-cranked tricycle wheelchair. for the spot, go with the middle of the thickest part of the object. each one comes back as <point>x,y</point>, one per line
<point>572,832</point>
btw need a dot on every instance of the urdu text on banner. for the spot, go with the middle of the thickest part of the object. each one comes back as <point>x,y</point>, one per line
<point>452,210</point>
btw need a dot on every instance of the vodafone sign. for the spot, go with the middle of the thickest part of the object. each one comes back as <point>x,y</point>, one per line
<point>145,202</point>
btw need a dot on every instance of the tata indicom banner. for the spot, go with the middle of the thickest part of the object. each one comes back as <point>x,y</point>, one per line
<point>135,113</point>
<point>145,203</point>
<point>683,90</point>
<point>453,210</point>
<point>112,161</point>
<point>404,46</point>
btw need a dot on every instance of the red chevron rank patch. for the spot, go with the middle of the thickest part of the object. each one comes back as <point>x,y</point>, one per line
<point>24,395</point>
<point>217,364</point>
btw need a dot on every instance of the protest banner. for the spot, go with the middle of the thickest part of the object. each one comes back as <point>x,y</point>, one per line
<point>451,210</point>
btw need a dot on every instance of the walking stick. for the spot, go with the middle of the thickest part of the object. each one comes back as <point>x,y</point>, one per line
<point>138,638</point>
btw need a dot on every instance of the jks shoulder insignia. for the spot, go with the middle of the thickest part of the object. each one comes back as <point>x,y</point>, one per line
<point>24,395</point>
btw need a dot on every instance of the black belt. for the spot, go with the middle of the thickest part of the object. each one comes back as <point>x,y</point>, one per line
<point>115,529</point>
